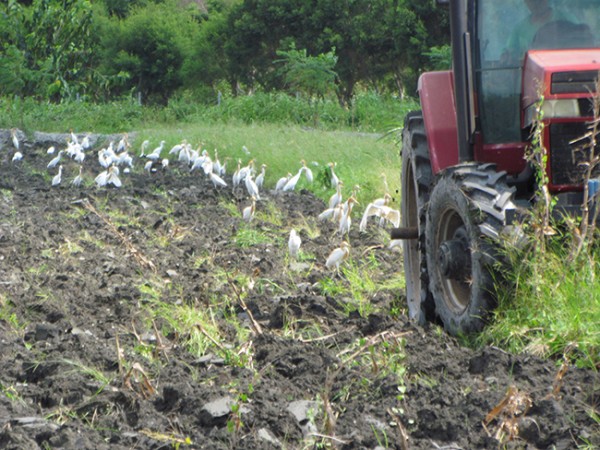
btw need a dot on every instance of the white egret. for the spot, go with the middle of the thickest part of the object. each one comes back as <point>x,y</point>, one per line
<point>103,159</point>
<point>336,198</point>
<point>155,154</point>
<point>74,137</point>
<point>85,143</point>
<point>125,159</point>
<point>307,172</point>
<point>79,178</point>
<point>143,148</point>
<point>245,150</point>
<point>185,155</point>
<point>291,183</point>
<point>337,256</point>
<point>394,243</point>
<point>15,139</point>
<point>123,144</point>
<point>384,201</point>
<point>216,163</point>
<point>58,177</point>
<point>382,211</point>
<point>207,165</point>
<point>248,212</point>
<point>197,163</point>
<point>294,243</point>
<point>113,176</point>
<point>223,171</point>
<point>334,178</point>
<point>109,176</point>
<point>346,219</point>
<point>101,178</point>
<point>54,161</point>
<point>282,182</point>
<point>178,147</point>
<point>334,213</point>
<point>260,179</point>
<point>51,150</point>
<point>18,156</point>
<point>73,149</point>
<point>79,157</point>
<point>236,178</point>
<point>251,187</point>
<point>217,180</point>
<point>247,170</point>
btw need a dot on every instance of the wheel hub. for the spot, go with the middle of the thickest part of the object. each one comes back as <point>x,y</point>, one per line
<point>454,256</point>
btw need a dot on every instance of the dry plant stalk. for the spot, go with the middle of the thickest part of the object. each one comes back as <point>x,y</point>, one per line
<point>140,258</point>
<point>119,354</point>
<point>146,388</point>
<point>591,161</point>
<point>330,416</point>
<point>255,325</point>
<point>210,338</point>
<point>402,434</point>
<point>509,412</point>
<point>559,378</point>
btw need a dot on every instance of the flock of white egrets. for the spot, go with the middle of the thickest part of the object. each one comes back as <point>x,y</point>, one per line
<point>117,157</point>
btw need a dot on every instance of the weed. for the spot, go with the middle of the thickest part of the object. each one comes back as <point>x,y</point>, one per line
<point>249,237</point>
<point>92,372</point>
<point>8,315</point>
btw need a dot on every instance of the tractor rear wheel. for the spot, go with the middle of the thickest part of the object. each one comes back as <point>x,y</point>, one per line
<point>469,207</point>
<point>416,182</point>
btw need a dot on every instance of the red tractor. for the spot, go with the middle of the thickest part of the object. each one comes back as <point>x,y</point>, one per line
<point>464,172</point>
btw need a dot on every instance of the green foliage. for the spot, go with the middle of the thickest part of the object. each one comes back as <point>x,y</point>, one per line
<point>148,49</point>
<point>554,308</point>
<point>440,57</point>
<point>46,48</point>
<point>313,75</point>
<point>61,50</point>
<point>370,112</point>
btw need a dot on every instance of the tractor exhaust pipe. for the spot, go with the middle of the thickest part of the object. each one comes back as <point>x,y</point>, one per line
<point>404,233</point>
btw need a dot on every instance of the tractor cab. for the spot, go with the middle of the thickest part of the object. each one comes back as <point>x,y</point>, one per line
<point>525,51</point>
<point>465,176</point>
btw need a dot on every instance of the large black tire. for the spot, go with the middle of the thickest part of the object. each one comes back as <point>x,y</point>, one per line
<point>469,207</point>
<point>416,181</point>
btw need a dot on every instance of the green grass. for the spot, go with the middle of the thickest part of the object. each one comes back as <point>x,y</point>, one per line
<point>554,308</point>
<point>360,158</point>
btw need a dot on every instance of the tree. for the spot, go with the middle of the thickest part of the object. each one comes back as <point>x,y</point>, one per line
<point>312,75</point>
<point>148,48</point>
<point>49,45</point>
<point>375,40</point>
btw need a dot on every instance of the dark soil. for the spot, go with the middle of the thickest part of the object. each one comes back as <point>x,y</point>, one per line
<point>84,367</point>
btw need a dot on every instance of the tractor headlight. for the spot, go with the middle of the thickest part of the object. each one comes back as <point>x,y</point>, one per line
<point>552,109</point>
<point>568,107</point>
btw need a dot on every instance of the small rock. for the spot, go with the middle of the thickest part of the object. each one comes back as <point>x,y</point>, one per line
<point>217,411</point>
<point>303,411</point>
<point>267,436</point>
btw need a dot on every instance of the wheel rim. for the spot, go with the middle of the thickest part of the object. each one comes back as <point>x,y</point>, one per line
<point>454,261</point>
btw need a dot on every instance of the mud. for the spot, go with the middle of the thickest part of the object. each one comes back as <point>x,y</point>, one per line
<point>89,362</point>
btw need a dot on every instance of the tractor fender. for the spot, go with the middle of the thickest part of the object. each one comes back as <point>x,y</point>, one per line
<point>436,92</point>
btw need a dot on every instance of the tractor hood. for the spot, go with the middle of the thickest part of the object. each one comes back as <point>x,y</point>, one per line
<point>558,75</point>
